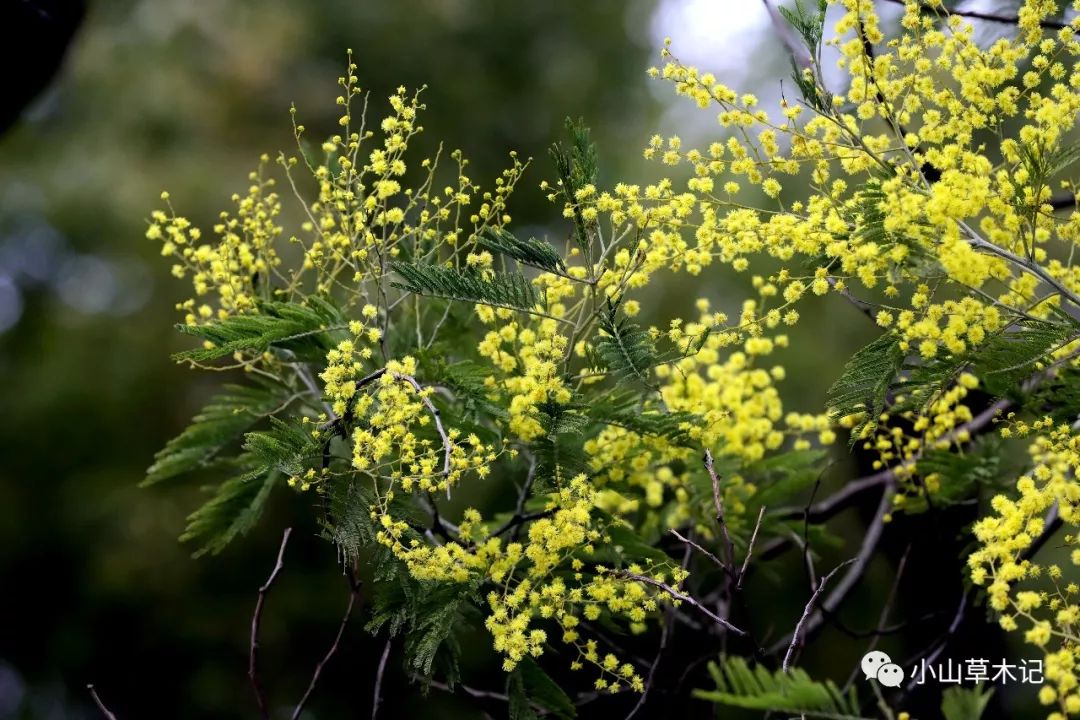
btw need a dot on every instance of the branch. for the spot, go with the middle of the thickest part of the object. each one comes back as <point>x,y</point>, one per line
<point>854,573</point>
<point>806,613</point>
<point>101,706</point>
<point>354,592</point>
<point>256,621</point>
<point>682,598</point>
<point>750,549</point>
<point>718,500</point>
<point>1047,24</point>
<point>717,561</point>
<point>379,678</point>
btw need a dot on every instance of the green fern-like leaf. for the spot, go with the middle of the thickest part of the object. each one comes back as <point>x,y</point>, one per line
<point>234,509</point>
<point>625,348</point>
<point>238,502</point>
<point>793,692</point>
<point>965,703</point>
<point>528,686</point>
<point>506,290</point>
<point>577,166</point>
<point>558,452</point>
<point>530,252</point>
<point>865,382</point>
<point>222,421</point>
<point>295,327</point>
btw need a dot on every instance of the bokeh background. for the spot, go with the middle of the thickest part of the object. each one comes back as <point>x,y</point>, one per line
<point>184,96</point>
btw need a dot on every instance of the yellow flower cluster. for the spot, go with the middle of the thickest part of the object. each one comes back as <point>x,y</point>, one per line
<point>237,268</point>
<point>1028,594</point>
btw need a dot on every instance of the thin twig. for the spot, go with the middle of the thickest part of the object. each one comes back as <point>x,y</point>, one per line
<point>855,572</point>
<point>806,613</point>
<point>717,561</point>
<point>101,706</point>
<point>379,678</point>
<point>664,631</point>
<point>718,501</point>
<point>750,549</point>
<point>256,621</point>
<point>682,598</point>
<point>326,658</point>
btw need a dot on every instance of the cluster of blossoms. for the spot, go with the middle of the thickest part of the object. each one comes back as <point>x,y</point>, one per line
<point>930,181</point>
<point>1037,597</point>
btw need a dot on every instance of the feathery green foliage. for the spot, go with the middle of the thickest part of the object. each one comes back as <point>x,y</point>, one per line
<point>223,420</point>
<point>960,703</point>
<point>739,685</point>
<point>529,686</point>
<point>536,253</point>
<point>625,347</point>
<point>865,382</point>
<point>234,509</point>
<point>577,166</point>
<point>506,290</point>
<point>299,328</point>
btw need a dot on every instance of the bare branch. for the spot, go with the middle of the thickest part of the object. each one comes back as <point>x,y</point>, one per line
<point>750,549</point>
<point>101,706</point>
<point>326,658</point>
<point>806,614</point>
<point>718,500</point>
<point>256,621</point>
<point>379,678</point>
<point>717,561</point>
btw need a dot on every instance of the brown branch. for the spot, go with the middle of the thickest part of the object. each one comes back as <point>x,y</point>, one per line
<point>675,594</point>
<point>101,706</point>
<point>717,561</point>
<point>854,573</point>
<point>256,621</point>
<point>1048,24</point>
<point>379,678</point>
<point>750,549</point>
<point>718,501</point>
<point>806,614</point>
<point>329,653</point>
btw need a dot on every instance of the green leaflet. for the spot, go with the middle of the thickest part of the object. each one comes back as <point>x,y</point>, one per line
<point>507,290</point>
<point>577,166</point>
<point>626,349</point>
<point>739,685</point>
<point>300,328</point>
<point>863,386</point>
<point>528,686</point>
<point>530,252</point>
<point>238,502</point>
<point>223,420</point>
<point>234,509</point>
<point>958,703</point>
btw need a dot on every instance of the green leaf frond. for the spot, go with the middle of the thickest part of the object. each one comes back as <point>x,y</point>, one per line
<point>626,348</point>
<point>509,290</point>
<point>299,328</point>
<point>793,692</point>
<point>537,253</point>
<point>221,422</point>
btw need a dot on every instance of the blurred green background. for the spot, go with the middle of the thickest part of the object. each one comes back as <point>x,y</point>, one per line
<point>94,587</point>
